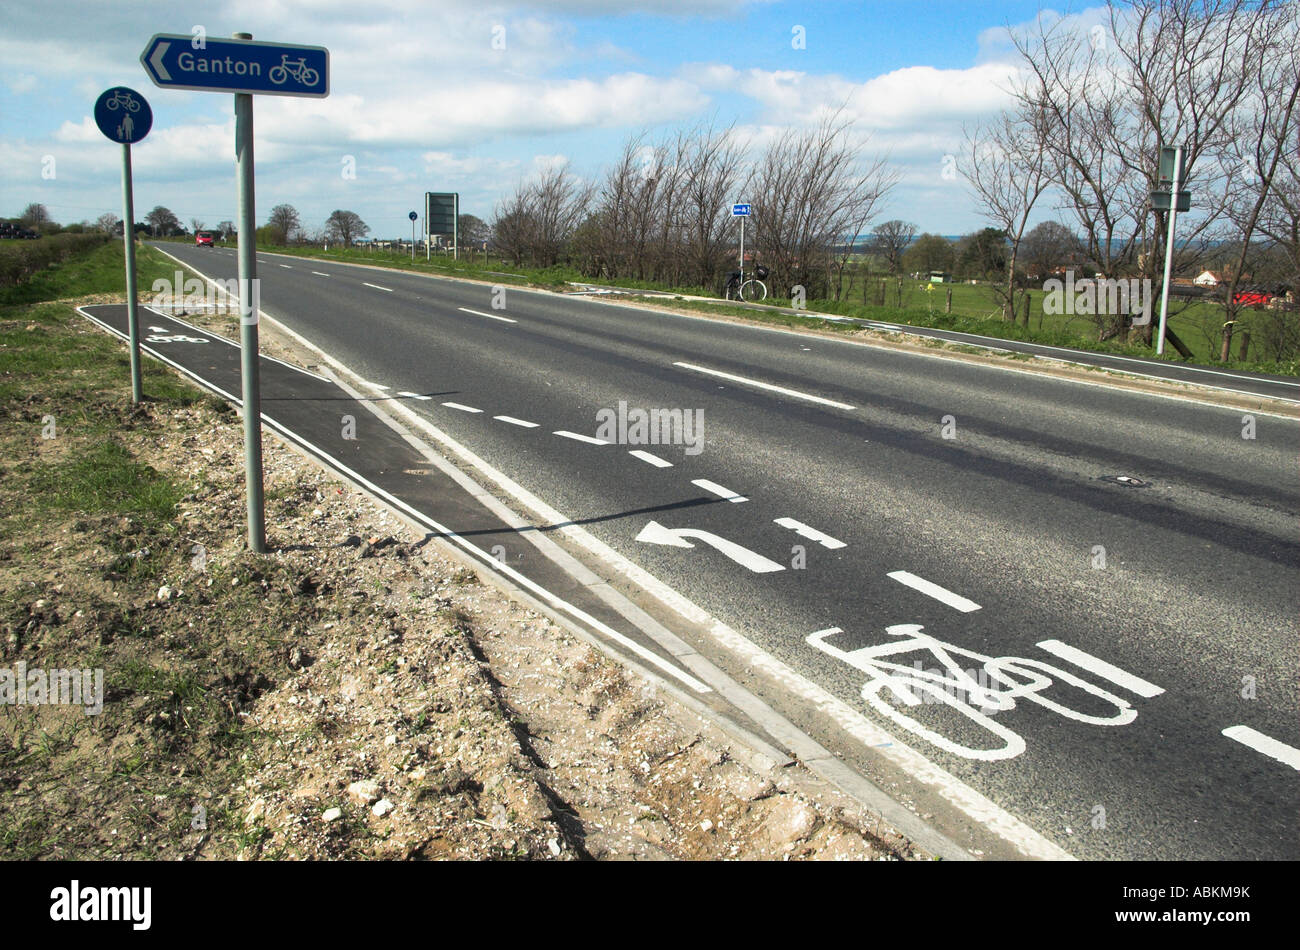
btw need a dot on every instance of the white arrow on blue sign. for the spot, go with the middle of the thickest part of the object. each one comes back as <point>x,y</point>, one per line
<point>740,211</point>
<point>266,69</point>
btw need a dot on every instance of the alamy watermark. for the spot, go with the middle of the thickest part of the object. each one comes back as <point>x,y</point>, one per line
<point>217,295</point>
<point>1094,296</point>
<point>635,426</point>
<point>21,686</point>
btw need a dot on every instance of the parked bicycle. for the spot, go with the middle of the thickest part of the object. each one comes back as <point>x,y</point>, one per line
<point>740,288</point>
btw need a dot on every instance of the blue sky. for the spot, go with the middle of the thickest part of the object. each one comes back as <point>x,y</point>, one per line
<point>420,100</point>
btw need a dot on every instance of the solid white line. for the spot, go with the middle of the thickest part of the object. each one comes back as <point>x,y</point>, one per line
<point>517,422</point>
<point>812,534</point>
<point>489,560</point>
<point>956,601</point>
<point>582,438</point>
<point>1265,744</point>
<point>490,316</point>
<point>1134,684</point>
<point>456,405</point>
<point>654,460</point>
<point>410,395</point>
<point>754,382</point>
<point>718,490</point>
<point>387,290</point>
<point>319,274</point>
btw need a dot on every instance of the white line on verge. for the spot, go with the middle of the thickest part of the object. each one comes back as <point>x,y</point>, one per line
<point>1134,684</point>
<point>761,385</point>
<point>941,594</point>
<point>719,490</point>
<point>1265,744</point>
<point>517,422</point>
<point>581,438</point>
<point>654,460</point>
<point>490,316</point>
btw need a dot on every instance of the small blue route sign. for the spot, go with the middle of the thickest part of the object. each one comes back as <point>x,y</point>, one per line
<point>123,115</point>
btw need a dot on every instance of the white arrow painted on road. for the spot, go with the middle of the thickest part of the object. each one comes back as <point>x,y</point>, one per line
<point>156,61</point>
<point>655,533</point>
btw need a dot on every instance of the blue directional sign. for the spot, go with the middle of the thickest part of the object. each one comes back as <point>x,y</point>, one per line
<point>123,115</point>
<point>740,211</point>
<point>217,65</point>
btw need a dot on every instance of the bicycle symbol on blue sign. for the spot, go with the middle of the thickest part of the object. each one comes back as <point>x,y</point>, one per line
<point>123,115</point>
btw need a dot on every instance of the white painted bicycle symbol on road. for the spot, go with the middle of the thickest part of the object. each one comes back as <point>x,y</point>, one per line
<point>977,695</point>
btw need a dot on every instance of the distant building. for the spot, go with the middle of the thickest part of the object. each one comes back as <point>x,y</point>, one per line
<point>1207,279</point>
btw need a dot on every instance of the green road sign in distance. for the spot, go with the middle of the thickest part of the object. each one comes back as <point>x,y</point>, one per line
<point>441,210</point>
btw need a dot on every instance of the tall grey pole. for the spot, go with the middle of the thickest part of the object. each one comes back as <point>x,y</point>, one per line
<point>248,315</point>
<point>742,253</point>
<point>128,236</point>
<point>1169,249</point>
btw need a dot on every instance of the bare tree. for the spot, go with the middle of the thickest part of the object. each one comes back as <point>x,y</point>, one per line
<point>1262,156</point>
<point>195,225</point>
<point>891,240</point>
<point>35,216</point>
<point>713,176</point>
<point>1006,168</point>
<point>814,193</point>
<point>163,222</point>
<point>108,222</point>
<point>540,218</point>
<point>1161,72</point>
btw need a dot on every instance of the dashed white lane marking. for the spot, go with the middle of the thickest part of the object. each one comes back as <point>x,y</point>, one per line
<point>941,594</point>
<point>654,460</point>
<point>1134,684</point>
<point>812,534</point>
<point>517,422</point>
<point>1265,744</point>
<point>490,316</point>
<point>387,290</point>
<point>286,267</point>
<point>719,490</point>
<point>319,273</point>
<point>456,405</point>
<point>403,392</point>
<point>582,438</point>
<point>761,385</point>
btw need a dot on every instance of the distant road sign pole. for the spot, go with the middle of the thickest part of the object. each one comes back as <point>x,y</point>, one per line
<point>124,116</point>
<point>413,216</point>
<point>1169,245</point>
<point>244,68</point>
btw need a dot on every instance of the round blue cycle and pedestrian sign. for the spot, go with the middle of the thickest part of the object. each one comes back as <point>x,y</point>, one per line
<point>123,115</point>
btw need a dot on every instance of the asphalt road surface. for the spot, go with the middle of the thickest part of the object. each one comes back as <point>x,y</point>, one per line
<point>1107,579</point>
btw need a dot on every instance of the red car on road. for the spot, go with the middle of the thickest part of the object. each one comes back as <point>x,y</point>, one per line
<point>203,239</point>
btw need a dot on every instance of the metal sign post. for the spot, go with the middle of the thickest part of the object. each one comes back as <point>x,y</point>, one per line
<point>741,211</point>
<point>413,217</point>
<point>244,68</point>
<point>124,116</point>
<point>1176,169</point>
